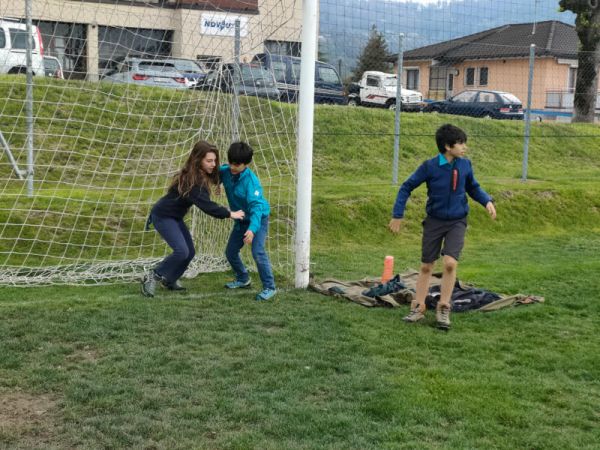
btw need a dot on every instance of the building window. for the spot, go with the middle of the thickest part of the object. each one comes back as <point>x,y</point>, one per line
<point>572,79</point>
<point>67,42</point>
<point>412,79</point>
<point>483,76</point>
<point>287,48</point>
<point>470,76</point>
<point>116,43</point>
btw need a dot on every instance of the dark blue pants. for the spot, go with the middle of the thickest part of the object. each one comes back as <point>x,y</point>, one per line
<point>178,237</point>
<point>235,244</point>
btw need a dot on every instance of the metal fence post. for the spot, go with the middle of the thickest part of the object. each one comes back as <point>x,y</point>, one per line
<point>528,112</point>
<point>29,100</point>
<point>236,100</point>
<point>398,109</point>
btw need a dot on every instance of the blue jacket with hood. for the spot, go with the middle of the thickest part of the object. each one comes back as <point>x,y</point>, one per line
<point>245,192</point>
<point>447,188</point>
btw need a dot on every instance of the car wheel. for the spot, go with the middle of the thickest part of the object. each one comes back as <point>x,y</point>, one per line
<point>391,106</point>
<point>17,71</point>
<point>486,116</point>
<point>352,102</point>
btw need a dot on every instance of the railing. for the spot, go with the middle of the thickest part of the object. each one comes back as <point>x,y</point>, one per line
<point>563,100</point>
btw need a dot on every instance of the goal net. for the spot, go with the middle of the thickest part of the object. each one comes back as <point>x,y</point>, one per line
<point>122,91</point>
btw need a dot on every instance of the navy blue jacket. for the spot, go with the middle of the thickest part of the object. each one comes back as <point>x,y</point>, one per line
<point>447,189</point>
<point>175,206</point>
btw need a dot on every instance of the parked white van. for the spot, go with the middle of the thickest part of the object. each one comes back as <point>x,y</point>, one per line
<point>13,48</point>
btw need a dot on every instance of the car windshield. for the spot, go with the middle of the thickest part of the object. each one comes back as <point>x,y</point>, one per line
<point>51,64</point>
<point>251,73</point>
<point>391,81</point>
<point>509,98</point>
<point>187,66</point>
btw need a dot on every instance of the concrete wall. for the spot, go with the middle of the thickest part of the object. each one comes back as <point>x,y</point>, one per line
<point>276,20</point>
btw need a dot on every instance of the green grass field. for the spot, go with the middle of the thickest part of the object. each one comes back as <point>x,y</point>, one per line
<point>102,367</point>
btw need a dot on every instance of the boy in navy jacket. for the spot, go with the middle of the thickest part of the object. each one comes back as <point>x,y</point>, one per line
<point>449,178</point>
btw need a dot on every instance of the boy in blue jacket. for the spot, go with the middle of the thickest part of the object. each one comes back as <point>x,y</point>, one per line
<point>449,178</point>
<point>243,190</point>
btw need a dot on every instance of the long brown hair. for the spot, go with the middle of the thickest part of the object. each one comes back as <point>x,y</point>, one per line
<point>191,174</point>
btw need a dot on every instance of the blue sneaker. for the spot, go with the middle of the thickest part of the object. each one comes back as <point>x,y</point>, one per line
<point>266,294</point>
<point>235,284</point>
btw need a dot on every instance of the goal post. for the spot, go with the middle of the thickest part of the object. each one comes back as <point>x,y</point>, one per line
<point>114,125</point>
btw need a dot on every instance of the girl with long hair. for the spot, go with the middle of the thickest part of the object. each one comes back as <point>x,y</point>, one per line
<point>191,186</point>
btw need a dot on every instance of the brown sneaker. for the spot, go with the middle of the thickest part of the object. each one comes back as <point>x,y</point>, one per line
<point>442,316</point>
<point>414,315</point>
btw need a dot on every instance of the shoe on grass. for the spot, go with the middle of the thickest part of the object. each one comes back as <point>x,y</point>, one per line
<point>265,294</point>
<point>414,315</point>
<point>442,316</point>
<point>149,284</point>
<point>236,284</point>
<point>175,286</point>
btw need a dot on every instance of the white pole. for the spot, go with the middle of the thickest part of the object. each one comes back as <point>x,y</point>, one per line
<point>528,113</point>
<point>398,109</point>
<point>29,98</point>
<point>305,142</point>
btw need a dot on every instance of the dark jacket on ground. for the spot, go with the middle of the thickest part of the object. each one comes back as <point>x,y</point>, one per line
<point>175,206</point>
<point>447,186</point>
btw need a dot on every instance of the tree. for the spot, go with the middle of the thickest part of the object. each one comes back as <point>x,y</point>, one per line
<point>374,56</point>
<point>587,26</point>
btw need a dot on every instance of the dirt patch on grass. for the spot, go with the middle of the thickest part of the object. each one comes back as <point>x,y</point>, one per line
<point>85,354</point>
<point>28,421</point>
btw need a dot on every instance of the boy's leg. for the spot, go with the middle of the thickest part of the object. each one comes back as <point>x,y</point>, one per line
<point>418,307</point>
<point>453,245</point>
<point>232,252</point>
<point>423,286</point>
<point>260,255</point>
<point>431,244</point>
<point>448,280</point>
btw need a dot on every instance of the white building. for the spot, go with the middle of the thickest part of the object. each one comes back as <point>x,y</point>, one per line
<point>86,35</point>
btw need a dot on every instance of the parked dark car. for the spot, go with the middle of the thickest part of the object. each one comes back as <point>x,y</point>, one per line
<point>245,79</point>
<point>286,70</point>
<point>487,104</point>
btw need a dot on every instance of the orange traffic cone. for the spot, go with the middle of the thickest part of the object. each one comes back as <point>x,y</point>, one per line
<point>388,269</point>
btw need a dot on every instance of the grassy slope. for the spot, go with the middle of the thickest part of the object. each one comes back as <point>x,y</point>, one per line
<point>207,370</point>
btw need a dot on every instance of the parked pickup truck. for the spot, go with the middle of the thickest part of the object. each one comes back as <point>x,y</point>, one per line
<point>379,89</point>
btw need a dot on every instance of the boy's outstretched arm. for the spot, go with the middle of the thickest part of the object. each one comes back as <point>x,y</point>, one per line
<point>414,181</point>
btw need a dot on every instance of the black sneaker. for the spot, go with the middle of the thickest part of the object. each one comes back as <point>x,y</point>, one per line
<point>175,286</point>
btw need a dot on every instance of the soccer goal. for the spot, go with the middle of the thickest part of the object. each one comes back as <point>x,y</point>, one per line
<point>90,139</point>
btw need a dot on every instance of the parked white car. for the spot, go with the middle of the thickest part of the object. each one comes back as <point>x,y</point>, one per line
<point>13,48</point>
<point>379,89</point>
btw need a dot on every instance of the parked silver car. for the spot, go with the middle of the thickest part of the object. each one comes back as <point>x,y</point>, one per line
<point>147,72</point>
<point>53,67</point>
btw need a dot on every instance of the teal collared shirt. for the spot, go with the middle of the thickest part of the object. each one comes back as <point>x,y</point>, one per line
<point>442,161</point>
